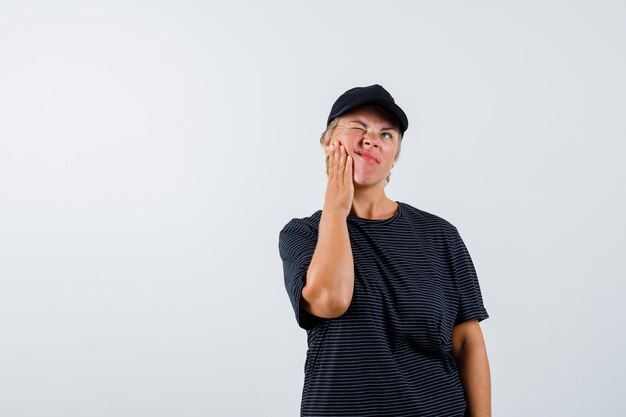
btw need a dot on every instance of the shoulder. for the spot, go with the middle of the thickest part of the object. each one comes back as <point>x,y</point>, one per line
<point>303,225</point>
<point>429,221</point>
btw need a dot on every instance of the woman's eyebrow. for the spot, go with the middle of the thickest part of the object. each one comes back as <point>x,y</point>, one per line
<point>365,125</point>
<point>359,122</point>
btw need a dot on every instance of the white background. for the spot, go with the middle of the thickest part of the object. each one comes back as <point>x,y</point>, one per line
<point>150,153</point>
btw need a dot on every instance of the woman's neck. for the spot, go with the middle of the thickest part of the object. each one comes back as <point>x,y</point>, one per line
<point>379,209</point>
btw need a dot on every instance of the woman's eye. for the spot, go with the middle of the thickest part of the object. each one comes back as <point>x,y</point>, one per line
<point>357,131</point>
<point>388,135</point>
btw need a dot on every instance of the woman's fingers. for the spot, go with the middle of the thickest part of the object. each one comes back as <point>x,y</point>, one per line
<point>342,162</point>
<point>348,170</point>
<point>329,148</point>
<point>339,190</point>
<point>339,162</point>
<point>336,154</point>
<point>331,161</point>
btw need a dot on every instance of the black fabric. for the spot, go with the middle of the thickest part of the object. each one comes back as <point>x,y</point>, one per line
<point>389,353</point>
<point>372,94</point>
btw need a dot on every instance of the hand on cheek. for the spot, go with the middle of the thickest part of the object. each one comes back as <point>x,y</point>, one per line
<point>332,145</point>
<point>329,149</point>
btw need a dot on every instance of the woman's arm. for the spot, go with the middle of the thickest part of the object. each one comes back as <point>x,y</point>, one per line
<point>330,277</point>
<point>470,354</point>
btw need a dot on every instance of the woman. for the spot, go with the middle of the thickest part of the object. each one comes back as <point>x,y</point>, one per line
<point>387,292</point>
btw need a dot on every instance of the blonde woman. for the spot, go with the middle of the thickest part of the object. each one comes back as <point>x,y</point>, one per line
<point>387,292</point>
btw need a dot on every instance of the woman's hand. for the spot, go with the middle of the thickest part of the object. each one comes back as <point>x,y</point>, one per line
<point>340,186</point>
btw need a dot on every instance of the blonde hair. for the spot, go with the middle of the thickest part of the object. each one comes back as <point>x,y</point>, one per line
<point>328,133</point>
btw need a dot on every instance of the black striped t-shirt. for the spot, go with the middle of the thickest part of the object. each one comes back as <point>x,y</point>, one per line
<point>389,354</point>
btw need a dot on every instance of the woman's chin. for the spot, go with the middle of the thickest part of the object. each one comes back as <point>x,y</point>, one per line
<point>366,181</point>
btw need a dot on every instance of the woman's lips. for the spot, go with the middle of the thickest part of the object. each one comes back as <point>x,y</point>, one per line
<point>368,159</point>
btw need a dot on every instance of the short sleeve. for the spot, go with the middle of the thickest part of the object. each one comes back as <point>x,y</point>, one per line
<point>470,297</point>
<point>296,244</point>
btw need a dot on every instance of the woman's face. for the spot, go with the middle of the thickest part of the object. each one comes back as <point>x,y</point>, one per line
<point>364,132</point>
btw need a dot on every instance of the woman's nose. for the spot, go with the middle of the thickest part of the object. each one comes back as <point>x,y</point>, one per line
<point>370,138</point>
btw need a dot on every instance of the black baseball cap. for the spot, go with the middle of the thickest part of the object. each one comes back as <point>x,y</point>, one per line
<point>373,94</point>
